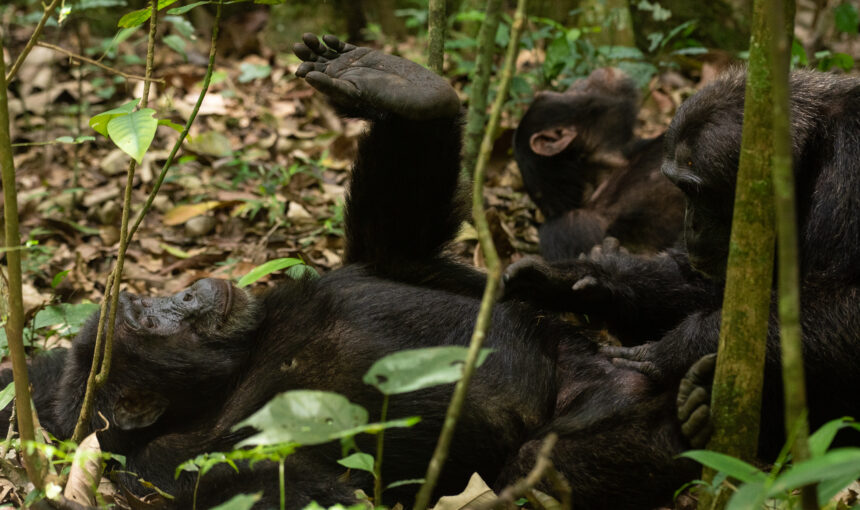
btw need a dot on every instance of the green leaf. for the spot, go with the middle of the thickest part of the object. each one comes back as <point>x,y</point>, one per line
<point>176,43</point>
<point>185,8</point>
<point>239,502</point>
<point>251,72</point>
<point>821,439</point>
<point>267,268</point>
<point>748,496</point>
<point>7,395</point>
<point>847,18</point>
<point>835,464</point>
<point>302,271</point>
<point>133,133</point>
<point>100,121</point>
<point>58,278</point>
<point>361,461</point>
<point>416,369</point>
<point>733,467</point>
<point>135,18</point>
<point>65,314</point>
<point>304,417</point>
<point>172,125</point>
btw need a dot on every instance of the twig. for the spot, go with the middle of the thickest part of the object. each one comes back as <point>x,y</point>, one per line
<point>543,467</point>
<point>96,63</point>
<point>32,42</point>
<point>206,80</point>
<point>15,321</point>
<point>494,270</point>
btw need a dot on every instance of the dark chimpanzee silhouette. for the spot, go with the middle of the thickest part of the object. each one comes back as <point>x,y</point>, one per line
<point>590,175</point>
<point>185,374</point>
<point>674,299</point>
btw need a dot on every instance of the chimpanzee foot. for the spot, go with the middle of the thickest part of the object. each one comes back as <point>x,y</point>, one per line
<point>694,401</point>
<point>369,83</point>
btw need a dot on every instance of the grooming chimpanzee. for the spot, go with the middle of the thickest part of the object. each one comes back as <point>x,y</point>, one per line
<point>397,291</point>
<point>590,176</point>
<point>674,299</point>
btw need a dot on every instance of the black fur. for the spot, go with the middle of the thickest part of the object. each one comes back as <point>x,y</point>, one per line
<point>596,179</point>
<point>679,310</point>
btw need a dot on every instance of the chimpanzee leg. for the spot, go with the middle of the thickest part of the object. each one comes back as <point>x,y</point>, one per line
<point>403,204</point>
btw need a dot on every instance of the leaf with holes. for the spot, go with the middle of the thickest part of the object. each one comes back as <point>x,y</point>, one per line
<point>133,133</point>
<point>416,369</point>
<point>304,417</point>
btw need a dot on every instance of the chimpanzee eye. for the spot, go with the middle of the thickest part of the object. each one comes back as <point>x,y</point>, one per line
<point>689,163</point>
<point>150,322</point>
<point>188,296</point>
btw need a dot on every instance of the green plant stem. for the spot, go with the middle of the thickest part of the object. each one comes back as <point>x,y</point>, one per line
<point>793,379</point>
<point>476,115</point>
<point>31,42</point>
<point>184,134</point>
<point>103,349</point>
<point>15,321</point>
<point>736,401</point>
<point>86,409</point>
<point>196,487</point>
<point>282,483</point>
<point>494,269</point>
<point>377,464</point>
<point>436,22</point>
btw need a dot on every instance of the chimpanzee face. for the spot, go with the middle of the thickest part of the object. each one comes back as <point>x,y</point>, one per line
<point>169,351</point>
<point>701,158</point>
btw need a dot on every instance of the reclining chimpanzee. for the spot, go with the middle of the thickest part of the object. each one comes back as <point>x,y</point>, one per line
<point>189,367</point>
<point>590,176</point>
<point>674,299</point>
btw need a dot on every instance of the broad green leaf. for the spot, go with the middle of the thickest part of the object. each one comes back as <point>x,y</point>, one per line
<point>748,496</point>
<point>7,395</point>
<point>239,502</point>
<point>821,439</point>
<point>100,121</point>
<point>267,268</point>
<point>133,133</point>
<point>416,369</point>
<point>176,43</point>
<point>835,464</point>
<point>251,72</point>
<point>733,467</point>
<point>361,461</point>
<point>304,417</point>
<point>185,8</point>
<point>71,315</point>
<point>135,18</point>
<point>847,18</point>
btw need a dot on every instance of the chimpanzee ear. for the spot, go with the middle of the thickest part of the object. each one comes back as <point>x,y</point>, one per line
<point>137,409</point>
<point>549,142</point>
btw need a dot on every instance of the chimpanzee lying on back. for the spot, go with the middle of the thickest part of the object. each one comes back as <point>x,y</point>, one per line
<point>189,367</point>
<point>675,299</point>
<point>588,173</point>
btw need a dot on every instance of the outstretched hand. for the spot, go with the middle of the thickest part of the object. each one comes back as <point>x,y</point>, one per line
<point>371,83</point>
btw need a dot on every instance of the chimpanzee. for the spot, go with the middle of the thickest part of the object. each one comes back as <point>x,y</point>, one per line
<point>197,371</point>
<point>590,176</point>
<point>674,300</point>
